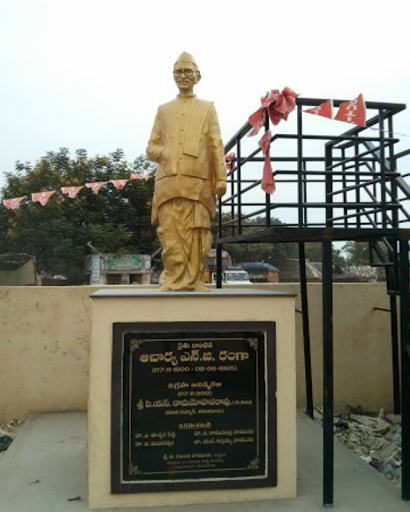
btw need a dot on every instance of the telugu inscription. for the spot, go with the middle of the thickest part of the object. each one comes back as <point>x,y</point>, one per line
<point>196,407</point>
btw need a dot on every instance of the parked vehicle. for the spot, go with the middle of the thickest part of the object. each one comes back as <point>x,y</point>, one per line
<point>261,272</point>
<point>234,276</point>
<point>210,264</point>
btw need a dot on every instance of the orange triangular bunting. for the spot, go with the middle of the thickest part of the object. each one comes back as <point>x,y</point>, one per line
<point>119,184</point>
<point>13,204</point>
<point>324,109</point>
<point>71,192</point>
<point>42,197</point>
<point>95,187</point>
<point>353,111</point>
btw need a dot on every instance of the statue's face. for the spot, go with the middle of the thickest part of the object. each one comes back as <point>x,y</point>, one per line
<point>185,76</point>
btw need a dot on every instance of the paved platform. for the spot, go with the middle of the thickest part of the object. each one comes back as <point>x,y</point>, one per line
<point>44,470</point>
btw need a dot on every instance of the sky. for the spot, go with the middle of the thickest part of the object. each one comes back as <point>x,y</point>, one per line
<point>91,73</point>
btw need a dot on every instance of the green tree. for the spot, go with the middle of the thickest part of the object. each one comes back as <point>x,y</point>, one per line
<point>357,253</point>
<point>313,252</point>
<point>57,233</point>
<point>3,230</point>
<point>273,253</point>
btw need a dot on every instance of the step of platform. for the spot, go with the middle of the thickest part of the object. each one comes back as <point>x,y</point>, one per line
<point>44,470</point>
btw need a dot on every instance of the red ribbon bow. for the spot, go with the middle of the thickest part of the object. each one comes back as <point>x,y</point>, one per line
<point>278,105</point>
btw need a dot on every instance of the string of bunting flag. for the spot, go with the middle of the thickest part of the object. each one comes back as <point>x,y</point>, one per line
<point>72,192</point>
<point>278,105</point>
<point>349,111</point>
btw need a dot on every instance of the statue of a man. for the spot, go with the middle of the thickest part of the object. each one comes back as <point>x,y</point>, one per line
<point>186,143</point>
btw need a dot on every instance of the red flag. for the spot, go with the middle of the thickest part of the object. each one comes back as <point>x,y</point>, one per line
<point>119,184</point>
<point>42,197</point>
<point>13,204</point>
<point>95,187</point>
<point>353,111</point>
<point>71,191</point>
<point>268,182</point>
<point>324,109</point>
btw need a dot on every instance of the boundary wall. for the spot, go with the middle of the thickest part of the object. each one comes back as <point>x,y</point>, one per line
<point>45,332</point>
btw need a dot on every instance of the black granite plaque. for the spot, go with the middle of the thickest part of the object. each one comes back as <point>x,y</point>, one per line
<point>193,406</point>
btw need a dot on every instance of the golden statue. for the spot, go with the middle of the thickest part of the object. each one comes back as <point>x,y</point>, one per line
<point>186,143</point>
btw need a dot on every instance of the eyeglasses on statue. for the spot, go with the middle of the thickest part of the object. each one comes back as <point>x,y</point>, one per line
<point>187,72</point>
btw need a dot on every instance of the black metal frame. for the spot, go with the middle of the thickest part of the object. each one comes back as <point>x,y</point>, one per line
<point>359,202</point>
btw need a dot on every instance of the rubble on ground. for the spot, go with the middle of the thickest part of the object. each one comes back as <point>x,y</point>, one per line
<point>376,439</point>
<point>8,432</point>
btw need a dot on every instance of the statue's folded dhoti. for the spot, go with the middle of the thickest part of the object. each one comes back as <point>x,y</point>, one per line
<point>185,238</point>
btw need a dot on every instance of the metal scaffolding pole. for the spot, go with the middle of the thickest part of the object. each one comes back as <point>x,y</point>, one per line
<point>405,361</point>
<point>354,193</point>
<point>328,402</point>
<point>306,330</point>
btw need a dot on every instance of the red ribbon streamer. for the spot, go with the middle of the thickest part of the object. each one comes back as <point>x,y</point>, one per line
<point>268,181</point>
<point>257,120</point>
<point>230,161</point>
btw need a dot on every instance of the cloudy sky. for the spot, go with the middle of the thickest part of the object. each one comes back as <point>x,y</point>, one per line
<point>91,73</point>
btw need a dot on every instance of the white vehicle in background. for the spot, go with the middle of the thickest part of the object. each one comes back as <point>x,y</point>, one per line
<point>234,276</point>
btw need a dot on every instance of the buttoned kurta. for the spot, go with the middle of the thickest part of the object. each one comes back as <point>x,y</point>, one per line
<point>186,143</point>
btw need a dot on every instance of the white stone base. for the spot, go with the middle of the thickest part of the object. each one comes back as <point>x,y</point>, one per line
<point>111,306</point>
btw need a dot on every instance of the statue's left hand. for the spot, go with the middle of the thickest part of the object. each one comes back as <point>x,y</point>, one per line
<point>220,188</point>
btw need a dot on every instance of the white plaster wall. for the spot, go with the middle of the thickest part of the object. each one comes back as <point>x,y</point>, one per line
<point>45,332</point>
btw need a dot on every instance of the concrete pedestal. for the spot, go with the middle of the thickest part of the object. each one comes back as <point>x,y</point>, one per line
<point>113,306</point>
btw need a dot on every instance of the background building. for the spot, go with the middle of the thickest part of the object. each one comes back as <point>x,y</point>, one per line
<point>115,269</point>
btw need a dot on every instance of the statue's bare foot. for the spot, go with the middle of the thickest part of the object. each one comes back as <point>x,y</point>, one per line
<point>201,287</point>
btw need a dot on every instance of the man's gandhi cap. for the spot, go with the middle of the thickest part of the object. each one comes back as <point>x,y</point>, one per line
<point>187,58</point>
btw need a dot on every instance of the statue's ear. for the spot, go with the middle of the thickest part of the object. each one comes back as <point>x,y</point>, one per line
<point>198,76</point>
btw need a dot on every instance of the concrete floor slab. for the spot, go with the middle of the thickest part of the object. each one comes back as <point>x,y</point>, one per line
<point>45,467</point>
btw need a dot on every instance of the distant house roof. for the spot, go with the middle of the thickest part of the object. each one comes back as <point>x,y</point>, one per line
<point>289,271</point>
<point>13,261</point>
